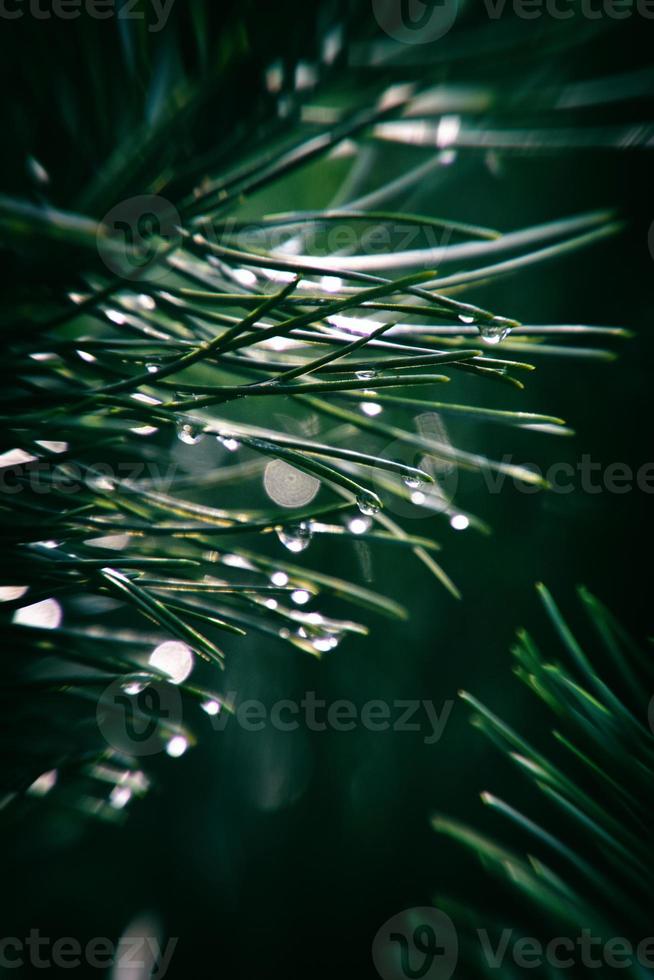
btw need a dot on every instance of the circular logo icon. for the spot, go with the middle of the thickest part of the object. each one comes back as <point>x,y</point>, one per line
<point>415,21</point>
<point>416,944</point>
<point>135,716</point>
<point>135,233</point>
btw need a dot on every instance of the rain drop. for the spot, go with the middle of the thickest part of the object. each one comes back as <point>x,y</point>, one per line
<point>365,375</point>
<point>493,333</point>
<point>412,482</point>
<point>295,537</point>
<point>368,504</point>
<point>189,434</point>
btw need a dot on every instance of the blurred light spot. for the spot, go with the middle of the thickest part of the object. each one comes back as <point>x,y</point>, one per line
<point>173,658</point>
<point>418,498</point>
<point>231,445</point>
<point>371,408</point>
<point>146,302</point>
<point>9,592</point>
<point>271,603</point>
<point>46,615</point>
<point>43,784</point>
<point>306,75</point>
<point>359,525</point>
<point>120,797</point>
<point>177,746</point>
<point>358,324</point>
<point>85,356</point>
<point>331,44</point>
<point>288,486</point>
<point>245,277</point>
<point>331,284</point>
<point>114,542</point>
<point>236,561</point>
<point>447,157</point>
<point>53,447</point>
<point>275,77</point>
<point>211,707</point>
<point>448,130</point>
<point>116,317</point>
<point>280,579</point>
<point>300,597</point>
<point>16,457</point>
<point>144,430</point>
<point>394,95</point>
<point>459,522</point>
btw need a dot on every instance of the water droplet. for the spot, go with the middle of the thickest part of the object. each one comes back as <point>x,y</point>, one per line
<point>459,522</point>
<point>365,375</point>
<point>135,684</point>
<point>295,537</point>
<point>189,433</point>
<point>300,596</point>
<point>418,498</point>
<point>412,482</point>
<point>493,333</point>
<point>466,319</point>
<point>368,504</point>
<point>151,368</point>
<point>271,603</point>
<point>280,579</point>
